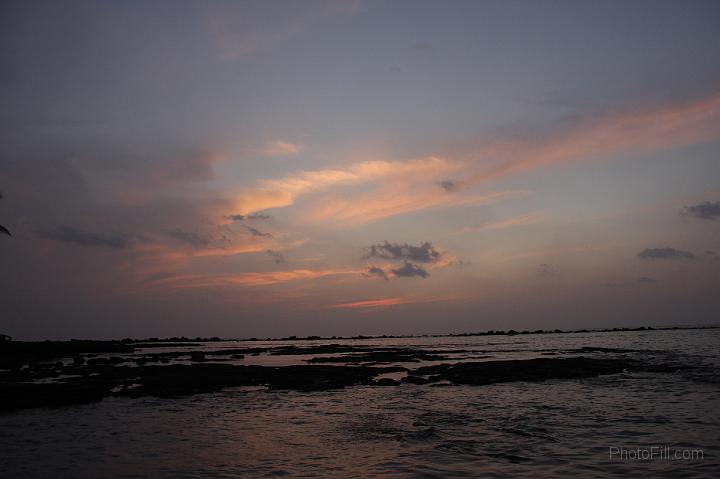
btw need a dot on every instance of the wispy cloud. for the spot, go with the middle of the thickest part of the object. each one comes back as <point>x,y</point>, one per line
<point>276,193</point>
<point>665,253</point>
<point>193,238</point>
<point>640,131</point>
<point>193,281</point>
<point>89,239</point>
<point>257,232</point>
<point>366,208</point>
<point>282,148</point>
<point>522,220</point>
<point>371,304</point>
<point>277,256</point>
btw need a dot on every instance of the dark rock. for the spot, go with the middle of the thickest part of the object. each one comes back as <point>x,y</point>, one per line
<point>415,379</point>
<point>387,356</point>
<point>386,382</point>
<point>540,369</point>
<point>197,356</point>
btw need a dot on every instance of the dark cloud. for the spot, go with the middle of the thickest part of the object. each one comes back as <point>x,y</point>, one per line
<point>253,216</point>
<point>257,232</point>
<point>277,256</point>
<point>646,280</point>
<point>448,185</point>
<point>410,270</point>
<point>664,253</point>
<point>196,240</point>
<point>68,234</point>
<point>706,210</point>
<point>376,271</point>
<point>425,253</point>
<point>546,269</point>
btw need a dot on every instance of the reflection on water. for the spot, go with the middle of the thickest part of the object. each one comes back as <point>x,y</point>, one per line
<point>545,429</point>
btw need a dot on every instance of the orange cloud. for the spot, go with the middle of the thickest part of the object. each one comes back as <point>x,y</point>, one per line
<point>406,186</point>
<point>284,191</point>
<point>191,281</point>
<point>375,206</point>
<point>371,304</point>
<point>667,127</point>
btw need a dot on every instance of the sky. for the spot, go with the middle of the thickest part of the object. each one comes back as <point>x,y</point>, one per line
<point>273,168</point>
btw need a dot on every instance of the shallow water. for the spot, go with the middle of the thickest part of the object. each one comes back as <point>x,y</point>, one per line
<point>547,429</point>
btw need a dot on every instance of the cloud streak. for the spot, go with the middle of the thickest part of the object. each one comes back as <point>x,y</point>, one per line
<point>69,234</point>
<point>634,132</point>
<point>664,253</point>
<point>523,220</point>
<point>194,281</point>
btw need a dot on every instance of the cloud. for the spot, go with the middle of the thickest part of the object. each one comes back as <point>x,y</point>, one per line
<point>546,269</point>
<point>277,256</point>
<point>655,129</point>
<point>664,253</point>
<point>194,281</point>
<point>277,193</point>
<point>523,220</point>
<point>376,271</point>
<point>425,253</point>
<point>410,270</point>
<point>68,234</point>
<point>391,202</point>
<point>196,240</point>
<point>646,280</point>
<point>403,187</point>
<point>282,148</point>
<point>258,233</point>
<point>371,304</point>
<point>706,210</point>
<point>448,185</point>
<point>252,216</point>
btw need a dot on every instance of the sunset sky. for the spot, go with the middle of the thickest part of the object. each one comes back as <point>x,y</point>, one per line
<point>272,168</point>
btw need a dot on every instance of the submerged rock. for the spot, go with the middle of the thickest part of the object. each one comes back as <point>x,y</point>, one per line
<point>533,370</point>
<point>385,356</point>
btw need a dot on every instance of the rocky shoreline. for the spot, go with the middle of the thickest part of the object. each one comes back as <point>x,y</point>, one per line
<point>61,374</point>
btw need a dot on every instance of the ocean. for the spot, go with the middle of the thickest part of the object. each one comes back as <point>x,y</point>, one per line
<point>640,423</point>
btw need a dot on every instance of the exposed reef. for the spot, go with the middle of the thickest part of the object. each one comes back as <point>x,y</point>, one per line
<point>50,374</point>
<point>532,370</point>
